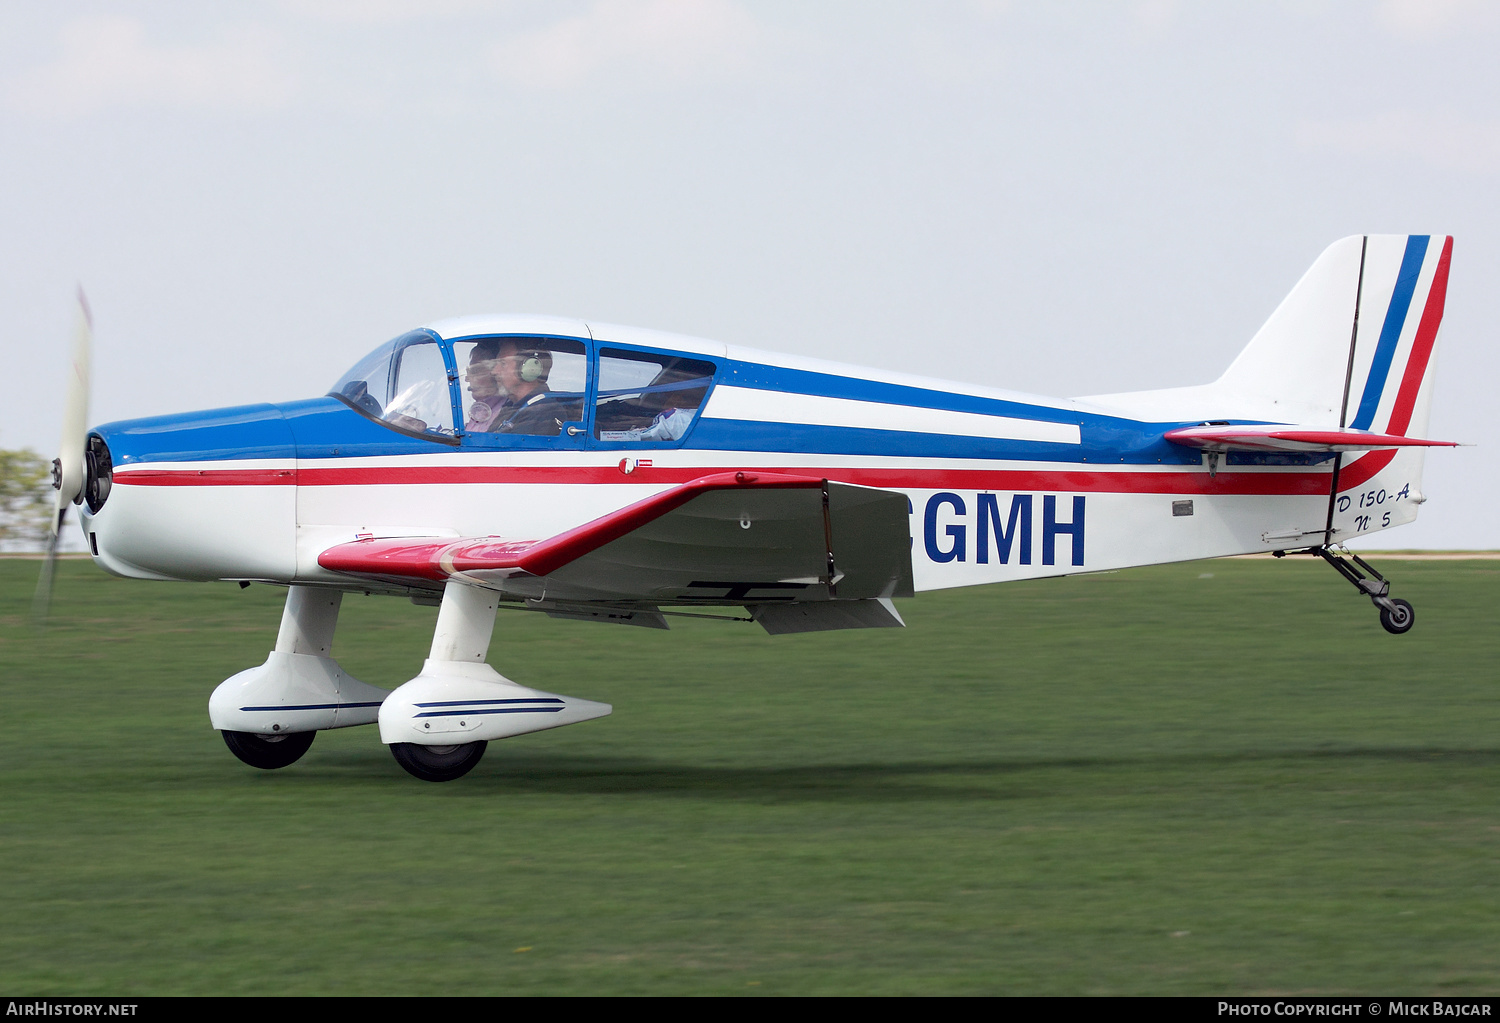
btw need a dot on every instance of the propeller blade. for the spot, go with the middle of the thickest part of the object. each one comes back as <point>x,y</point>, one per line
<point>68,474</point>
<point>41,601</point>
<point>68,467</point>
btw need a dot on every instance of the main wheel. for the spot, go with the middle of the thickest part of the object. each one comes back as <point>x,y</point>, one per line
<point>268,752</point>
<point>1397,619</point>
<point>438,763</point>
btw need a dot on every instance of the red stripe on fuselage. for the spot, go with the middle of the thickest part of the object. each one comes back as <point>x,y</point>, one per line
<point>207,477</point>
<point>1072,480</point>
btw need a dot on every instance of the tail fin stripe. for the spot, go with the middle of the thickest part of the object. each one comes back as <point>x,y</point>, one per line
<point>1390,331</point>
<point>1421,351</point>
<point>1366,467</point>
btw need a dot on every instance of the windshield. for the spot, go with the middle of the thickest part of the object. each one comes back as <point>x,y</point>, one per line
<point>404,384</point>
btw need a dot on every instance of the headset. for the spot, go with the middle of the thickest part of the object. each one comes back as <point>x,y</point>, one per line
<point>532,368</point>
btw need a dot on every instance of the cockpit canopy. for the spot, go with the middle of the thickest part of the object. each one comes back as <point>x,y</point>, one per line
<point>492,391</point>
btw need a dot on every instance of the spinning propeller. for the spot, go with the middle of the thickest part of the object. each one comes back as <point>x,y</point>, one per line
<point>69,471</point>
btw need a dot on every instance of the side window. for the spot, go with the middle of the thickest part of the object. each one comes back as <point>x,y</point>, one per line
<point>522,386</point>
<point>648,398</point>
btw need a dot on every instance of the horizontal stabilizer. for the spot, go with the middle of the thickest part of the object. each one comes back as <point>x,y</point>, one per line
<point>1292,438</point>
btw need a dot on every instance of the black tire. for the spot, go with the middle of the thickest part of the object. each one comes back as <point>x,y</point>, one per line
<point>269,752</point>
<point>1397,619</point>
<point>438,763</point>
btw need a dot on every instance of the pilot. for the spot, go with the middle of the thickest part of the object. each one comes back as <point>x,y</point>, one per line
<point>521,371</point>
<point>485,389</point>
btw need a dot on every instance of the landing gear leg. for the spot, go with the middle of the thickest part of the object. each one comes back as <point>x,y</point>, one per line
<point>270,714</point>
<point>437,724</point>
<point>1396,615</point>
<point>466,620</point>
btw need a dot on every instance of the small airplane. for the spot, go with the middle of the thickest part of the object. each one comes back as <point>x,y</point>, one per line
<point>612,474</point>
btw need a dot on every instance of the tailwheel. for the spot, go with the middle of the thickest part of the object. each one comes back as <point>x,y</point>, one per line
<point>1396,615</point>
<point>1397,618</point>
<point>268,752</point>
<point>438,763</point>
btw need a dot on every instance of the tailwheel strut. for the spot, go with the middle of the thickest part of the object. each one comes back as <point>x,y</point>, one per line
<point>1396,615</point>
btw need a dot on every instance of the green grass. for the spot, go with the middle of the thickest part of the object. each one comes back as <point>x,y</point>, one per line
<point>1207,778</point>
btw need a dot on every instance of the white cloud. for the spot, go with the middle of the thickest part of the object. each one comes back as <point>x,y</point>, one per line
<point>1442,139</point>
<point>663,39</point>
<point>1424,18</point>
<point>109,62</point>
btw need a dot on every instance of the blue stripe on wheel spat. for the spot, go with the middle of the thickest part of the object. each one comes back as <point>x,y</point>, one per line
<point>1390,331</point>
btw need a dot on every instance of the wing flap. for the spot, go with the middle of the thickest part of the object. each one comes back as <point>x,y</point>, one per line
<point>729,538</point>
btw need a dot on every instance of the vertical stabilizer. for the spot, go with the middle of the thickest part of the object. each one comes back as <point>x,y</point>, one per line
<point>1390,379</point>
<point>1295,368</point>
<point>1351,345</point>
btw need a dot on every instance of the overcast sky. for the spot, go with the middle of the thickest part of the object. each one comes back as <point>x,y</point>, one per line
<point>1065,198</point>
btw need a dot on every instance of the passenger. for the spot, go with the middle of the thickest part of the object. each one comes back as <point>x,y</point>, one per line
<point>483,386</point>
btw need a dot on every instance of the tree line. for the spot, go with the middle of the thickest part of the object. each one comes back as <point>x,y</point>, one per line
<point>25,500</point>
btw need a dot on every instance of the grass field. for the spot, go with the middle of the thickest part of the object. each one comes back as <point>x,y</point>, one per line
<point>1220,777</point>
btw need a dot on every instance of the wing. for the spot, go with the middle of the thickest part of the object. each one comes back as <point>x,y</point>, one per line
<point>1292,438</point>
<point>748,538</point>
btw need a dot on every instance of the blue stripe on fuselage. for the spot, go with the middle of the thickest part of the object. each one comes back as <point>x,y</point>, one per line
<point>1104,442</point>
<point>246,431</point>
<point>327,428</point>
<point>1106,439</point>
<point>830,385</point>
<point>312,428</point>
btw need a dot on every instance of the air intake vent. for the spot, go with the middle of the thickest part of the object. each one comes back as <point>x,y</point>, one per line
<point>100,472</point>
